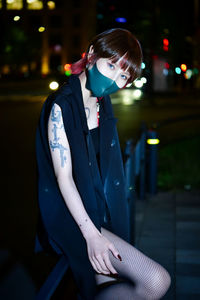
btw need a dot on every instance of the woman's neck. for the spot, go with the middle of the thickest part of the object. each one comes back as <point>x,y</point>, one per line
<point>87,98</point>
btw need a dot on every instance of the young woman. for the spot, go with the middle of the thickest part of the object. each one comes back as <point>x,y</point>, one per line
<point>81,191</point>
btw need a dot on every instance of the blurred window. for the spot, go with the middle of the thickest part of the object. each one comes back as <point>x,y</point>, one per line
<point>0,4</point>
<point>34,4</point>
<point>51,5</point>
<point>14,4</point>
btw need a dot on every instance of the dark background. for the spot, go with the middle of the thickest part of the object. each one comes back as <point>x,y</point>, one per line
<point>24,84</point>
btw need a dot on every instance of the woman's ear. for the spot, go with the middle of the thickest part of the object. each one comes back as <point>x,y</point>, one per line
<point>89,55</point>
<point>91,50</point>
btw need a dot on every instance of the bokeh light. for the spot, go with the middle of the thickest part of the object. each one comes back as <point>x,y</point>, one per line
<point>53,85</point>
<point>41,29</point>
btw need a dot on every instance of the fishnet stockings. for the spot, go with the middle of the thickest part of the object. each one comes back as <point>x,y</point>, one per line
<point>140,278</point>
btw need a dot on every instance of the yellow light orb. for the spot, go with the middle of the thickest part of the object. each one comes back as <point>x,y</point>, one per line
<point>51,5</point>
<point>53,85</point>
<point>41,29</point>
<point>16,18</point>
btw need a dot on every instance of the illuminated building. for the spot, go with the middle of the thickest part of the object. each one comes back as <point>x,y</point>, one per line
<point>61,29</point>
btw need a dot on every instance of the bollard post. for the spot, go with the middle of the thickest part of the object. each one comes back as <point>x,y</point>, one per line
<point>152,141</point>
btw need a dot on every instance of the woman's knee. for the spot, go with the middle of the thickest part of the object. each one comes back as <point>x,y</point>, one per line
<point>158,284</point>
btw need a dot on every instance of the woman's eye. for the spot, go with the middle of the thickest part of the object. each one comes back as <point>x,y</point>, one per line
<point>111,66</point>
<point>124,77</point>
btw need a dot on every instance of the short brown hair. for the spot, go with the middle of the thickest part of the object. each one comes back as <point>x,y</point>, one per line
<point>115,43</point>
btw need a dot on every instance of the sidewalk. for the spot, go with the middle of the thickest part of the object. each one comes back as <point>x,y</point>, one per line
<point>168,230</point>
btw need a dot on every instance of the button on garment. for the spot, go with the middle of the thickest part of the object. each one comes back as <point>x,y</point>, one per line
<point>113,143</point>
<point>116,182</point>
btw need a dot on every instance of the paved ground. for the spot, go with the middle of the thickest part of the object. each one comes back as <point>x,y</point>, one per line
<point>168,230</point>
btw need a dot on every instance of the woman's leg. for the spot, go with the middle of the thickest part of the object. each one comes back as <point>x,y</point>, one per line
<point>142,278</point>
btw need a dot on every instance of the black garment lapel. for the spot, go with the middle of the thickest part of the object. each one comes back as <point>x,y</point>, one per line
<point>106,123</point>
<point>107,127</point>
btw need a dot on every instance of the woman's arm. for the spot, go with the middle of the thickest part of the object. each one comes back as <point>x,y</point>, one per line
<point>61,157</point>
<point>97,245</point>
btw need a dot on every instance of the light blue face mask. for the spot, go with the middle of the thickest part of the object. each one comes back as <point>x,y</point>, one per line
<point>99,84</point>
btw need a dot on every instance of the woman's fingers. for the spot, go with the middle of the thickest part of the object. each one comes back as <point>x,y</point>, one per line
<point>102,264</point>
<point>115,252</point>
<point>100,267</point>
<point>94,266</point>
<point>108,264</point>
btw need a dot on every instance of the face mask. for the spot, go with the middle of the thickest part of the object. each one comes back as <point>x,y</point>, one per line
<point>99,84</point>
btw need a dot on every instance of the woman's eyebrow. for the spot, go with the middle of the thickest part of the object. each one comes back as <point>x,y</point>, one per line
<point>117,63</point>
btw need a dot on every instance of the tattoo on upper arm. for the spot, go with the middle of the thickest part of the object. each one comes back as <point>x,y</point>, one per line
<point>57,128</point>
<point>55,115</point>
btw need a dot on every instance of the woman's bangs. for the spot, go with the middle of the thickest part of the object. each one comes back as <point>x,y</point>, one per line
<point>125,63</point>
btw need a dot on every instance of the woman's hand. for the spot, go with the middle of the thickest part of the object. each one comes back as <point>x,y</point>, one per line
<point>98,252</point>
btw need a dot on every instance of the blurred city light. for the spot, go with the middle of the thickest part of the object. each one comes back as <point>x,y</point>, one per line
<point>143,65</point>
<point>138,83</point>
<point>57,48</point>
<point>167,65</point>
<point>195,71</point>
<point>153,141</point>
<point>51,4</point>
<point>41,29</point>
<point>16,18</point>
<point>14,4</point>
<point>165,44</point>
<point>128,96</point>
<point>178,70</point>
<point>99,16</point>
<point>183,67</point>
<point>53,85</point>
<point>35,4</point>
<point>188,74</point>
<point>165,72</point>
<point>137,94</point>
<point>121,20</point>
<point>67,68</point>
<point>143,79</point>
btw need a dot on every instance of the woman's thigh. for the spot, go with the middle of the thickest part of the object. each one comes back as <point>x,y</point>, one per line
<point>135,266</point>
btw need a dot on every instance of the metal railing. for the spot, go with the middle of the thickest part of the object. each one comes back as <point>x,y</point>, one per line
<point>140,170</point>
